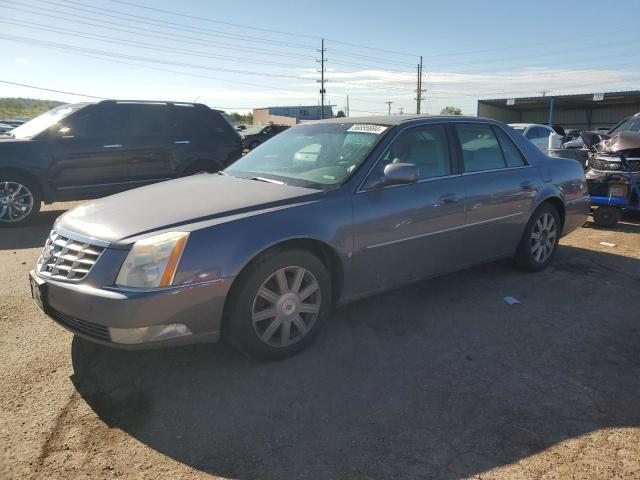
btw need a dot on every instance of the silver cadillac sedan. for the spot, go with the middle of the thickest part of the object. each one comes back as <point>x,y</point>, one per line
<point>320,215</point>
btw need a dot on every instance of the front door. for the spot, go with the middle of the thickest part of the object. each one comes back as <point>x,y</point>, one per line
<point>86,151</point>
<point>406,232</point>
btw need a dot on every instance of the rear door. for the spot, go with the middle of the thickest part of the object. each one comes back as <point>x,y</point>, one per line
<point>500,187</point>
<point>145,143</point>
<point>406,232</point>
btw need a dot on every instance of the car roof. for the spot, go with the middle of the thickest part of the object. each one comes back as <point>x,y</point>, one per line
<point>393,119</point>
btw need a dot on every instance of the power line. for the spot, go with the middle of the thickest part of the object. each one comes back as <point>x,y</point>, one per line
<point>52,90</point>
<point>109,39</point>
<point>64,47</point>
<point>141,31</point>
<point>171,12</point>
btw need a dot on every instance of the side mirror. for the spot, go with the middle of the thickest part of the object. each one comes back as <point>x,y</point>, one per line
<point>400,173</point>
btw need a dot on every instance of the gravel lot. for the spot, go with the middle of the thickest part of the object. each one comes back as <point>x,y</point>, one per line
<point>441,379</point>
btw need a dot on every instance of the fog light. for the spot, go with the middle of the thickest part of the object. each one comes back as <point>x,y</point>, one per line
<point>154,333</point>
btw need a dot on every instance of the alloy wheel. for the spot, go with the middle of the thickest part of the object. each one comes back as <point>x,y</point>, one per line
<point>543,237</point>
<point>16,202</point>
<point>286,306</point>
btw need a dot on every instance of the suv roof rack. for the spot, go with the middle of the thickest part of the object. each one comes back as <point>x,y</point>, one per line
<point>157,102</point>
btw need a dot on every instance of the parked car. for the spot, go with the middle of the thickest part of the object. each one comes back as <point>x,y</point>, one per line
<point>539,135</point>
<point>5,127</point>
<point>86,150</point>
<point>256,135</point>
<point>629,124</point>
<point>263,251</point>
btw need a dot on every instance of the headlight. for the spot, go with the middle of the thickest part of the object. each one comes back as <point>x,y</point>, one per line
<point>153,262</point>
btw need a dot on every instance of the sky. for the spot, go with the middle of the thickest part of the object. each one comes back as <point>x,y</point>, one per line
<point>241,55</point>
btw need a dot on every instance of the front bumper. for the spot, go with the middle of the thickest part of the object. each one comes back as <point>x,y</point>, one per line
<point>91,312</point>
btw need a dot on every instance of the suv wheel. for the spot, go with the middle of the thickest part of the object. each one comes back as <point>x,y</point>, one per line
<point>606,217</point>
<point>279,305</point>
<point>19,200</point>
<point>540,239</point>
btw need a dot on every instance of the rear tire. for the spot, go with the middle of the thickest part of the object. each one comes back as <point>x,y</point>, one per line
<point>20,199</point>
<point>270,312</point>
<point>607,216</point>
<point>540,239</point>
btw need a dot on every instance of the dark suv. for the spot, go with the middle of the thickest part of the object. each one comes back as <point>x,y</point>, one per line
<point>89,150</point>
<point>254,136</point>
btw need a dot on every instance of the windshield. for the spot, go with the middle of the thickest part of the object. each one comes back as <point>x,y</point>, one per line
<point>253,130</point>
<point>629,125</point>
<point>318,155</point>
<point>44,121</point>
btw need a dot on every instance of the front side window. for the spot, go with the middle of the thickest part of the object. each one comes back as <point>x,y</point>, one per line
<point>51,119</point>
<point>480,148</point>
<point>425,147</point>
<point>311,155</point>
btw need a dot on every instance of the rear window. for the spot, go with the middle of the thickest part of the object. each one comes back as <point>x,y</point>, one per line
<point>189,121</point>
<point>480,148</point>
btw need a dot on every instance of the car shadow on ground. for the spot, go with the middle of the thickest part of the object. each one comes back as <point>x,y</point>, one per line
<point>441,379</point>
<point>32,235</point>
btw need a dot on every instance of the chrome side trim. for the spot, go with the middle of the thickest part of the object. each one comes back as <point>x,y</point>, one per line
<point>80,238</point>
<point>506,169</point>
<point>392,242</point>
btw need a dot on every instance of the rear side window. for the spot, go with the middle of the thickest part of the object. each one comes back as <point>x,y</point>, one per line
<point>512,155</point>
<point>480,148</point>
<point>188,122</point>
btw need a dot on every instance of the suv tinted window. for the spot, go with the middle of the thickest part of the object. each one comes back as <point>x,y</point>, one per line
<point>512,155</point>
<point>425,147</point>
<point>144,120</point>
<point>480,148</point>
<point>188,122</point>
<point>95,121</point>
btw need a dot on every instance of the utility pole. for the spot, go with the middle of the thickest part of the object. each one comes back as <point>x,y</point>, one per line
<point>389,104</point>
<point>401,110</point>
<point>322,80</point>
<point>544,92</point>
<point>347,112</point>
<point>419,88</point>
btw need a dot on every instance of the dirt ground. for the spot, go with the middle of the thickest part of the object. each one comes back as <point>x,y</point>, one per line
<point>441,379</point>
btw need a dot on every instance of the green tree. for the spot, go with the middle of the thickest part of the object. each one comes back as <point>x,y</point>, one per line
<point>450,111</point>
<point>340,114</point>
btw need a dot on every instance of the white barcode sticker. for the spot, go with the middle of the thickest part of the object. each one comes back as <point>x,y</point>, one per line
<point>377,129</point>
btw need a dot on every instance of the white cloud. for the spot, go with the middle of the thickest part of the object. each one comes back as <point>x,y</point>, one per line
<point>21,61</point>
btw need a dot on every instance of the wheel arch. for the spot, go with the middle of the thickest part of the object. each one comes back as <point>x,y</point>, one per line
<point>26,174</point>
<point>558,204</point>
<point>323,251</point>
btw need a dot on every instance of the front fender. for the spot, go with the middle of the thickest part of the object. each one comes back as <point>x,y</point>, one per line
<point>224,249</point>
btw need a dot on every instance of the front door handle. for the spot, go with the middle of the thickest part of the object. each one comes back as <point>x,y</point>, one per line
<point>181,142</point>
<point>526,185</point>
<point>112,145</point>
<point>448,198</point>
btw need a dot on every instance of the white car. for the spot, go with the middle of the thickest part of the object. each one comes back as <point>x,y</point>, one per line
<point>542,136</point>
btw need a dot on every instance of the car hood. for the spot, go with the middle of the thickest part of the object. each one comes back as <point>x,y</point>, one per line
<point>176,204</point>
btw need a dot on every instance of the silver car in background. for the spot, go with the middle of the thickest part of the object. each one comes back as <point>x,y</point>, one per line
<point>320,215</point>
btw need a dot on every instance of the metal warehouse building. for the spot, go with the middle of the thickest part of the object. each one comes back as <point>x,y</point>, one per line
<point>583,111</point>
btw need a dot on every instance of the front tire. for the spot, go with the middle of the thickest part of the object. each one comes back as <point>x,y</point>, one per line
<point>20,200</point>
<point>279,305</point>
<point>540,239</point>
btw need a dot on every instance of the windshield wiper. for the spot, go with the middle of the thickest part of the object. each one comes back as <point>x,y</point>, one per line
<point>268,180</point>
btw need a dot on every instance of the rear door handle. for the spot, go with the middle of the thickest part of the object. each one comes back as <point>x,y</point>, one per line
<point>112,145</point>
<point>527,185</point>
<point>448,198</point>
<point>181,142</point>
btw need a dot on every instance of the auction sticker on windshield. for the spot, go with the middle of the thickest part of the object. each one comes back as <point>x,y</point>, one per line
<point>377,129</point>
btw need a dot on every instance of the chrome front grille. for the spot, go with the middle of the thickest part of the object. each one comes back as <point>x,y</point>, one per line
<point>63,258</point>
